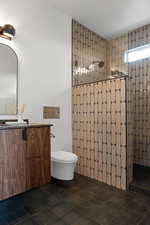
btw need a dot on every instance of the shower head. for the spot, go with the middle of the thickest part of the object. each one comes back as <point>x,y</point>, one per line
<point>99,63</point>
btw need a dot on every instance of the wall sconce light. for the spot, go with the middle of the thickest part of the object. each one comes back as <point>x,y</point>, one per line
<point>7,31</point>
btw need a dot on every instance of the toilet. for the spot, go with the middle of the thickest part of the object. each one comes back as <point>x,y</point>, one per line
<point>63,165</point>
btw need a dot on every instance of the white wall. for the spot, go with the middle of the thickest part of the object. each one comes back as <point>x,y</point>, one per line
<point>43,45</point>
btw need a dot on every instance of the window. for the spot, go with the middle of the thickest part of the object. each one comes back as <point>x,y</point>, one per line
<point>139,53</point>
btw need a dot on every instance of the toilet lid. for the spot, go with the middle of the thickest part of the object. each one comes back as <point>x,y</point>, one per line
<point>62,156</point>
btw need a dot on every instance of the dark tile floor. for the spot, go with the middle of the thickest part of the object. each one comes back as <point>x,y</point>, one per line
<point>82,202</point>
<point>141,179</point>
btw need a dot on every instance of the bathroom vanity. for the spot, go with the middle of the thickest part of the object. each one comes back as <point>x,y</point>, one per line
<point>24,158</point>
<point>24,148</point>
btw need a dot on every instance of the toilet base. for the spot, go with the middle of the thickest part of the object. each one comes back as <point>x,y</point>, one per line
<point>63,183</point>
<point>62,171</point>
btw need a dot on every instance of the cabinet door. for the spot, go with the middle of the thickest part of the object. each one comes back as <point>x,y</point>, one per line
<point>38,156</point>
<point>12,163</point>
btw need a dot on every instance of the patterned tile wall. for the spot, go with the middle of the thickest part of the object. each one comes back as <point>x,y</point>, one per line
<point>115,60</point>
<point>139,91</point>
<point>99,131</point>
<point>115,54</point>
<point>139,73</point>
<point>130,130</point>
<point>87,47</point>
<point>92,135</point>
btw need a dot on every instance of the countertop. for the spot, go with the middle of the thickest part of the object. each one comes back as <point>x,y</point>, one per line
<point>23,125</point>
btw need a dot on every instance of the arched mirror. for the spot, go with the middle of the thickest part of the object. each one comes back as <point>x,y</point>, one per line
<point>8,80</point>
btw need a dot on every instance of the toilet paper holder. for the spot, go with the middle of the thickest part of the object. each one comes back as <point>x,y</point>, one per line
<point>52,135</point>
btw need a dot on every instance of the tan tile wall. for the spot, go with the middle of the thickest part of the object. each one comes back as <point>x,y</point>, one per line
<point>99,131</point>
<point>87,47</point>
<point>139,73</point>
<point>139,104</point>
<point>130,130</point>
<point>115,50</point>
<point>92,124</point>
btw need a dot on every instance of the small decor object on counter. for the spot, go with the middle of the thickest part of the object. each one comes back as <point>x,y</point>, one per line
<point>21,109</point>
<point>10,109</point>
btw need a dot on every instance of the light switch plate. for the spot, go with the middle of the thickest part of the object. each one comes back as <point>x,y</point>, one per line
<point>50,112</point>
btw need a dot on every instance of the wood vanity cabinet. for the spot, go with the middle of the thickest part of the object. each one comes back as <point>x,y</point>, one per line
<point>38,156</point>
<point>24,159</point>
<point>12,163</point>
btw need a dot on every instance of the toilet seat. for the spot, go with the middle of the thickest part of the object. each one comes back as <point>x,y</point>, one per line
<point>64,157</point>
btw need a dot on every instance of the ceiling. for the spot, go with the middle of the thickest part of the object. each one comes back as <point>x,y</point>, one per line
<point>109,18</point>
